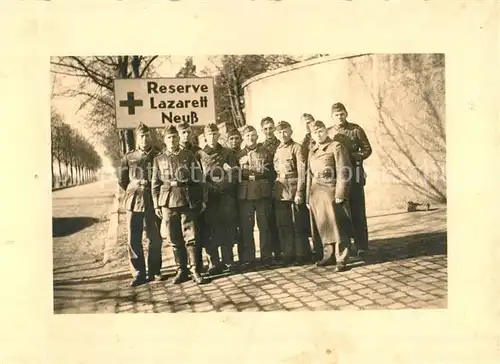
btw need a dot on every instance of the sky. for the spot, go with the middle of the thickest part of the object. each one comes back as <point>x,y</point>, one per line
<point>68,107</point>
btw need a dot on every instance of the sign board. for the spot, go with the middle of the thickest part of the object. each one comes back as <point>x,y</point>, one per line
<point>158,102</point>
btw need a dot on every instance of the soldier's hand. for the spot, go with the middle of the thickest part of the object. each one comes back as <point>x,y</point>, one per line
<point>339,200</point>
<point>203,207</point>
<point>158,212</point>
<point>298,200</point>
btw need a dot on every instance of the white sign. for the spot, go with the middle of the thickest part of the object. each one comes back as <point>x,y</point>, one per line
<point>158,102</point>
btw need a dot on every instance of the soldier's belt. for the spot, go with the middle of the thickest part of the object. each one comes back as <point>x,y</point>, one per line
<point>287,175</point>
<point>323,175</point>
<point>253,177</point>
<point>141,182</point>
<point>178,184</point>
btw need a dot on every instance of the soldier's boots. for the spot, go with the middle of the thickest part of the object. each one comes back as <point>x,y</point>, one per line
<point>328,256</point>
<point>216,266</point>
<point>139,279</point>
<point>228,257</point>
<point>180,257</point>
<point>195,275</point>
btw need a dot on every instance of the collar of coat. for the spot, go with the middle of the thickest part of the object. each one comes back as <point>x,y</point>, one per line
<point>288,143</point>
<point>346,126</point>
<point>173,152</point>
<point>208,149</point>
<point>323,145</point>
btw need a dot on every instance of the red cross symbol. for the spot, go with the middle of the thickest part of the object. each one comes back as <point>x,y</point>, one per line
<point>130,103</point>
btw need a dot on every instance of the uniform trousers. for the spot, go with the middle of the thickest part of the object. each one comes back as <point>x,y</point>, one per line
<point>248,209</point>
<point>135,223</point>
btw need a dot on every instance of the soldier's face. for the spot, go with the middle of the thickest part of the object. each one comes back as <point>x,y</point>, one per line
<point>268,130</point>
<point>185,135</point>
<point>251,138</point>
<point>143,140</point>
<point>319,134</point>
<point>171,141</point>
<point>284,135</point>
<point>339,117</point>
<point>212,138</point>
<point>234,141</point>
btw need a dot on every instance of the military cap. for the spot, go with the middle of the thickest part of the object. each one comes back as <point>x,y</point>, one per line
<point>283,125</point>
<point>317,124</point>
<point>248,129</point>
<point>266,120</point>
<point>183,126</point>
<point>170,129</point>
<point>211,128</point>
<point>142,128</point>
<point>307,117</point>
<point>233,131</point>
<point>338,107</point>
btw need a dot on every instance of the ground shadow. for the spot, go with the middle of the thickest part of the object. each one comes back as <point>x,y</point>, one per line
<point>403,212</point>
<point>64,226</point>
<point>405,247</point>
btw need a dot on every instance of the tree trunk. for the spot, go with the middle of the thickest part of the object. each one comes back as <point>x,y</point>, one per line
<point>60,172</point>
<point>71,172</point>
<point>52,171</point>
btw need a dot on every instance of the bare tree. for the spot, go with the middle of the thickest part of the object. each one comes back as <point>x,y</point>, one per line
<point>95,76</point>
<point>231,73</point>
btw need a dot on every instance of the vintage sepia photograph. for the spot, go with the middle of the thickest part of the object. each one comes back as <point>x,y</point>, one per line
<point>248,182</point>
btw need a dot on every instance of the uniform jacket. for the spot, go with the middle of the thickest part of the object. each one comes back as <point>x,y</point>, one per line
<point>330,165</point>
<point>271,145</point>
<point>290,167</point>
<point>257,174</point>
<point>355,140</point>
<point>135,178</point>
<point>306,146</point>
<point>177,180</point>
<point>213,161</point>
<point>193,149</point>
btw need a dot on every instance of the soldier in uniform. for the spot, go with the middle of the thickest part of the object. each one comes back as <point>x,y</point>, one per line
<point>307,144</point>
<point>327,193</point>
<point>234,141</point>
<point>289,197</point>
<point>179,195</point>
<point>220,169</point>
<point>135,179</point>
<point>356,141</point>
<point>271,143</point>
<point>186,141</point>
<point>254,197</point>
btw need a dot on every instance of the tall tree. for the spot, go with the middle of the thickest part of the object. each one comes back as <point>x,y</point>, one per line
<point>231,72</point>
<point>188,70</point>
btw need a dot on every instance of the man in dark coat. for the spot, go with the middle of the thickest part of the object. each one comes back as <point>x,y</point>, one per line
<point>135,179</point>
<point>221,178</point>
<point>187,142</point>
<point>254,197</point>
<point>354,138</point>
<point>271,143</point>
<point>234,141</point>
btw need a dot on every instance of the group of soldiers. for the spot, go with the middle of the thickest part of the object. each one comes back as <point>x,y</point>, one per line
<point>194,199</point>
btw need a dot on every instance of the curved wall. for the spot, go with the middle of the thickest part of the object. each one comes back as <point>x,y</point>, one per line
<point>398,99</point>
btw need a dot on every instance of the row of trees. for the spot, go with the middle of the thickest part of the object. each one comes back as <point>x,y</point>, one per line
<point>71,150</point>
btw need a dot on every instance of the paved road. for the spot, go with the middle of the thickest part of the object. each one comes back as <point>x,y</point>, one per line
<point>407,268</point>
